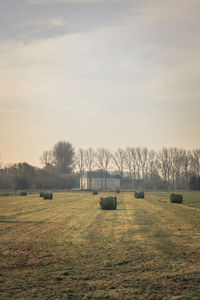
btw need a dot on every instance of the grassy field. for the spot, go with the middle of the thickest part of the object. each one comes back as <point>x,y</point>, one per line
<point>67,248</point>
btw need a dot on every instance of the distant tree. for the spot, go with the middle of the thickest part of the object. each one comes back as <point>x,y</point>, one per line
<point>130,162</point>
<point>195,162</point>
<point>80,162</point>
<point>193,183</point>
<point>20,183</point>
<point>0,162</point>
<point>46,159</point>
<point>164,161</point>
<point>22,175</point>
<point>90,157</point>
<point>63,157</point>
<point>152,167</point>
<point>49,179</point>
<point>103,157</point>
<point>119,160</point>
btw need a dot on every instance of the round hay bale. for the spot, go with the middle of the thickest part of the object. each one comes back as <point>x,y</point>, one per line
<point>139,195</point>
<point>95,193</point>
<point>175,198</point>
<point>22,193</point>
<point>42,194</point>
<point>107,203</point>
<point>48,196</point>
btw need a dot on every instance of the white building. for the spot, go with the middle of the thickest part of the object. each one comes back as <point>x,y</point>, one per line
<point>97,180</point>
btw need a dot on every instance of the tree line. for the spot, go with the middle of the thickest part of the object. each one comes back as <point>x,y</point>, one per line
<point>62,167</point>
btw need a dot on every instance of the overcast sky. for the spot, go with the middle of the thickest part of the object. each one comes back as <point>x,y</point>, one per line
<point>98,73</point>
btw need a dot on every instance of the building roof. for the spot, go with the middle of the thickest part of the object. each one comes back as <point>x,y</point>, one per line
<point>100,174</point>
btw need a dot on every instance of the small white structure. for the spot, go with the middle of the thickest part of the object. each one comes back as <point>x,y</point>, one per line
<point>97,180</point>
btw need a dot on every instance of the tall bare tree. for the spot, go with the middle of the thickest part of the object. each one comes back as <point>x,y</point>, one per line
<point>90,157</point>
<point>46,159</point>
<point>119,160</point>
<point>163,157</point>
<point>80,162</point>
<point>103,157</point>
<point>152,164</point>
<point>195,162</point>
<point>186,165</point>
<point>130,162</point>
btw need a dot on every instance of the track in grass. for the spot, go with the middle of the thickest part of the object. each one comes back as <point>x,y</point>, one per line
<point>68,248</point>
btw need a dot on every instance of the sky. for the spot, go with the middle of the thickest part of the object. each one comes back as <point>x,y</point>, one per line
<point>98,73</point>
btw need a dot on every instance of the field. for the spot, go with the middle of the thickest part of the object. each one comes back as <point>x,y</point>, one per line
<point>67,248</point>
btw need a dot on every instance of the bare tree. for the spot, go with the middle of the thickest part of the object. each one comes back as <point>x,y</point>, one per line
<point>186,163</point>
<point>90,157</point>
<point>103,157</point>
<point>163,157</point>
<point>138,152</point>
<point>119,159</point>
<point>80,162</point>
<point>46,159</point>
<point>152,165</point>
<point>130,162</point>
<point>144,161</point>
<point>195,162</point>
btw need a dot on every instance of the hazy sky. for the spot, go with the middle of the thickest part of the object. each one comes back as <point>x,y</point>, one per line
<point>98,73</point>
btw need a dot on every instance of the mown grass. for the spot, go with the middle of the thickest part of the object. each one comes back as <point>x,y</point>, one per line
<point>67,248</point>
<point>191,198</point>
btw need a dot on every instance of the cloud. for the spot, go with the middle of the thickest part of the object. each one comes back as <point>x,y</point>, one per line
<point>138,78</point>
<point>74,1</point>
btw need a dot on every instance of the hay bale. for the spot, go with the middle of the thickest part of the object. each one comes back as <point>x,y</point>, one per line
<point>22,193</point>
<point>48,196</point>
<point>139,195</point>
<point>108,203</point>
<point>175,198</point>
<point>95,193</point>
<point>117,191</point>
<point>42,194</point>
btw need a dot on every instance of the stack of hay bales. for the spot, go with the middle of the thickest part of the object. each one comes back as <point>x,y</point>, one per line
<point>175,198</point>
<point>48,196</point>
<point>108,203</point>
<point>95,193</point>
<point>139,194</point>
<point>117,191</point>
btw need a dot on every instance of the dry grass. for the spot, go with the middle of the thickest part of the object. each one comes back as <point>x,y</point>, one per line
<point>68,248</point>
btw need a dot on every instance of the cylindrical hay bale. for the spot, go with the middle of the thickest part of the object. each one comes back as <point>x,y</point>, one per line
<point>48,196</point>
<point>42,194</point>
<point>22,193</point>
<point>175,198</point>
<point>107,203</point>
<point>139,194</point>
<point>95,193</point>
